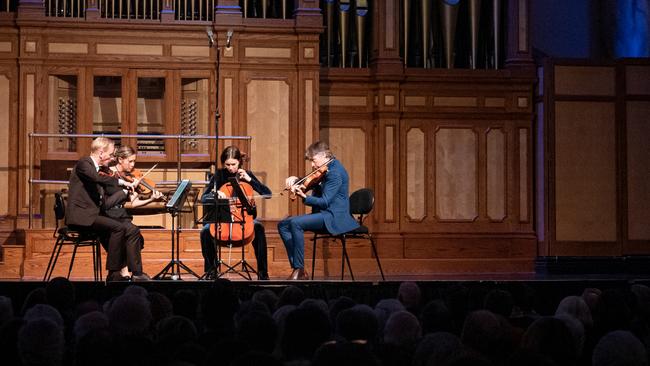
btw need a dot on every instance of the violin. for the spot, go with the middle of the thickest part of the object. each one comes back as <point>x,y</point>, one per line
<point>311,180</point>
<point>232,233</point>
<point>145,185</point>
<point>105,171</point>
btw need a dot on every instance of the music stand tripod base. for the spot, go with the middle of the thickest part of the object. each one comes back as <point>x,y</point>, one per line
<point>172,270</point>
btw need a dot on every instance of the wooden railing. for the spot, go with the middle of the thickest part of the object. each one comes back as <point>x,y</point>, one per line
<point>184,10</point>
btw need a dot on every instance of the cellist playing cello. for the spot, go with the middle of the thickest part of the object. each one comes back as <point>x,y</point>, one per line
<point>330,203</point>
<point>232,160</point>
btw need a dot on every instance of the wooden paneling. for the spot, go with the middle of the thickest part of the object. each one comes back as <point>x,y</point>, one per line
<point>417,188</point>
<point>456,183</point>
<point>267,120</point>
<point>348,145</point>
<point>524,177</point>
<point>496,175</point>
<point>637,80</point>
<point>585,171</point>
<point>5,109</point>
<point>389,161</point>
<point>587,80</point>
<point>638,172</point>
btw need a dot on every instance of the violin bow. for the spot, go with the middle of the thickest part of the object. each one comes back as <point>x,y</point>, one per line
<point>149,171</point>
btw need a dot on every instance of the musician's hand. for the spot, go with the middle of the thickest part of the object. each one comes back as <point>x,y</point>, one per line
<point>133,185</point>
<point>221,194</point>
<point>298,190</point>
<point>133,196</point>
<point>288,183</point>
<point>156,195</point>
<point>244,175</point>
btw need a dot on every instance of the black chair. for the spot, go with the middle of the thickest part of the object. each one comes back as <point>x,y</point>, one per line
<point>77,237</point>
<point>361,203</point>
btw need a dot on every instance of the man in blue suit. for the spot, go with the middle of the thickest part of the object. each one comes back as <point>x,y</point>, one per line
<point>330,205</point>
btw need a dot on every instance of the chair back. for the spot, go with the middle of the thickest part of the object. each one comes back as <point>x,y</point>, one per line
<point>59,206</point>
<point>59,210</point>
<point>361,202</point>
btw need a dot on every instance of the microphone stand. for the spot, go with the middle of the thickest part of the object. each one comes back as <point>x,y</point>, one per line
<point>214,43</point>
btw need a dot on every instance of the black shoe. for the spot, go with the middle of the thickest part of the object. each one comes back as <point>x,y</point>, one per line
<point>209,276</point>
<point>263,276</point>
<point>140,277</point>
<point>115,276</point>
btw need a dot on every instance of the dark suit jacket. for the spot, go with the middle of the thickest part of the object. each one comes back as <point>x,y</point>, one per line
<point>331,198</point>
<point>85,193</point>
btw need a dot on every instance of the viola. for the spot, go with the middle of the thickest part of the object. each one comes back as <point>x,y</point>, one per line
<point>231,233</point>
<point>106,171</point>
<point>145,185</point>
<point>311,180</point>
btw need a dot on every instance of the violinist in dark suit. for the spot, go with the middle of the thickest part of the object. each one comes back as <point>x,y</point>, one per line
<point>86,195</point>
<point>330,205</point>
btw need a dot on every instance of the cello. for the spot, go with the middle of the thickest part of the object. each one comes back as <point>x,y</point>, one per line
<point>240,230</point>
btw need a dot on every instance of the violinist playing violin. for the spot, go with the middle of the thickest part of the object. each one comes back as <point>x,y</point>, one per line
<point>329,201</point>
<point>115,206</point>
<point>232,160</point>
<point>86,202</point>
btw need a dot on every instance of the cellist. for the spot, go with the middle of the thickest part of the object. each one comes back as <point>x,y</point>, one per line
<point>232,160</point>
<point>330,205</point>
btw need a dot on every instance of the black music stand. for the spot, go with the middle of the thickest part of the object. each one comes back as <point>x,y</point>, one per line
<point>174,206</point>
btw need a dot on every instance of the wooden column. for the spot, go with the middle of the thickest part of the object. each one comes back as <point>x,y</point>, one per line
<point>308,14</point>
<point>384,57</point>
<point>227,12</point>
<point>519,52</point>
<point>30,9</point>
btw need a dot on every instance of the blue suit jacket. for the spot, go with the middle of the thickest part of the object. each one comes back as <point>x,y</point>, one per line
<point>331,198</point>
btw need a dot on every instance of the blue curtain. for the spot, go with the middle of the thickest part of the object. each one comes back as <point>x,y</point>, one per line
<point>631,34</point>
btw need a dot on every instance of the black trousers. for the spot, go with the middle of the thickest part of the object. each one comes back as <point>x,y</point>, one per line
<point>259,247</point>
<point>123,243</point>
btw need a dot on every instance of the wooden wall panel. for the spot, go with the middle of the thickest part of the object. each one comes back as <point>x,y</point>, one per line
<point>348,145</point>
<point>585,171</point>
<point>637,80</point>
<point>267,120</point>
<point>585,80</point>
<point>416,185</point>
<point>389,164</point>
<point>29,123</point>
<point>496,174</point>
<point>638,172</point>
<point>524,177</point>
<point>456,184</point>
<point>5,122</point>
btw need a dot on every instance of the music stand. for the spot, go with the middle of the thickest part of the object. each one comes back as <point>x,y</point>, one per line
<point>174,206</point>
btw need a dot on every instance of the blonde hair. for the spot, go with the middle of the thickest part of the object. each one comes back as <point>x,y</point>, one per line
<point>124,152</point>
<point>100,143</point>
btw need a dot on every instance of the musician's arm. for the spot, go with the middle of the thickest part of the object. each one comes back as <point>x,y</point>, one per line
<point>258,186</point>
<point>330,187</point>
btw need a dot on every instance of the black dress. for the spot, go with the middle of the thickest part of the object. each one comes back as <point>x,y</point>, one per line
<point>113,207</point>
<point>259,241</point>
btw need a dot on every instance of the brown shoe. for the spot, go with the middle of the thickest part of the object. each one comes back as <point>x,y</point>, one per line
<point>302,275</point>
<point>294,275</point>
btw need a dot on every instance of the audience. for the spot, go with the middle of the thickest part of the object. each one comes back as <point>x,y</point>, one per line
<point>458,325</point>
